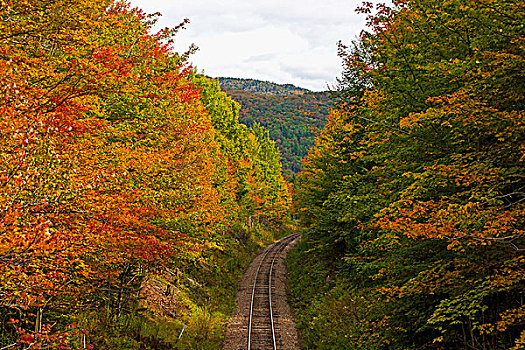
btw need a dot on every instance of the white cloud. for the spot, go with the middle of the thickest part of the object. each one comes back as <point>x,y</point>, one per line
<point>291,41</point>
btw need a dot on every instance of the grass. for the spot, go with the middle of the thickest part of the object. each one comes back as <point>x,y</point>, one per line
<point>205,298</point>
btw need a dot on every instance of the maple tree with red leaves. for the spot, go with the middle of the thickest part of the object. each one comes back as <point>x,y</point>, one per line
<point>109,163</point>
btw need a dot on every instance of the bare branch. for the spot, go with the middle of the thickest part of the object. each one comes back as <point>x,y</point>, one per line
<point>506,196</point>
<point>503,240</point>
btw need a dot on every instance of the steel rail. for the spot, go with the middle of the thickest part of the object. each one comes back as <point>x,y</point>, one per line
<point>270,294</point>
<point>278,247</point>
<point>253,296</point>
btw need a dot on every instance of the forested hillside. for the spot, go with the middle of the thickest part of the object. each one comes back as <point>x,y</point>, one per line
<point>261,87</point>
<point>290,114</point>
<point>412,201</point>
<point>130,196</point>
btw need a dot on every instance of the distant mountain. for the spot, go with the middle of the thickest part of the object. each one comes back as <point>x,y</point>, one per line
<point>261,87</point>
<point>290,114</point>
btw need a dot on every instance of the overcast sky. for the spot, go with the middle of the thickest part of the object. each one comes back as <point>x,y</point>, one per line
<point>284,41</point>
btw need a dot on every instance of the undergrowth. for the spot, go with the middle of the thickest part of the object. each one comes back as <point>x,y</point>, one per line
<point>205,293</point>
<point>316,299</point>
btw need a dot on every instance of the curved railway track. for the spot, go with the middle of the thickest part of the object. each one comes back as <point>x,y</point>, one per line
<point>260,325</point>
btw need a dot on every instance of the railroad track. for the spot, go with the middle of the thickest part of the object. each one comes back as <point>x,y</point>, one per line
<point>261,298</point>
<point>263,321</point>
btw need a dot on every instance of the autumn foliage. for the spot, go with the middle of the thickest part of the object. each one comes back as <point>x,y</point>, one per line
<point>414,191</point>
<point>111,163</point>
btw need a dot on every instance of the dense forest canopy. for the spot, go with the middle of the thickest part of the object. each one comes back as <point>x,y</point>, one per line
<point>118,164</point>
<point>413,198</point>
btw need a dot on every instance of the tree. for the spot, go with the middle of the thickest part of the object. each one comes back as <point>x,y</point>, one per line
<point>107,162</point>
<point>427,194</point>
